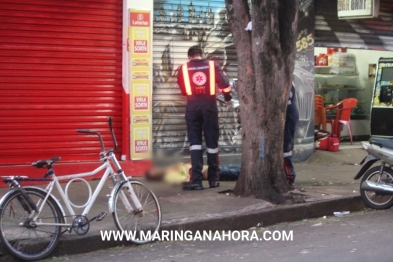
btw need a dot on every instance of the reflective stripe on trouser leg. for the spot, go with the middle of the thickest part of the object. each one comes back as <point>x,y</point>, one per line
<point>212,150</point>
<point>287,153</point>
<point>195,147</point>
<point>213,171</point>
<point>197,165</point>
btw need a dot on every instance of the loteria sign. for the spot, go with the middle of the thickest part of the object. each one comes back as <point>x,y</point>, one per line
<point>357,9</point>
<point>141,88</point>
<point>140,18</point>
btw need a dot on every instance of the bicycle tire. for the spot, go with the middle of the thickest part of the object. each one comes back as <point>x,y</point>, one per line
<point>23,239</point>
<point>122,217</point>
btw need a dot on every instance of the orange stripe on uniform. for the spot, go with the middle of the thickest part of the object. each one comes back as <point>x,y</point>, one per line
<point>226,90</point>
<point>186,77</point>
<point>212,78</point>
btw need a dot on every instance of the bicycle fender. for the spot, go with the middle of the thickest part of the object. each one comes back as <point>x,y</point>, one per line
<point>5,196</point>
<point>367,162</point>
<point>116,188</point>
<point>37,188</point>
<point>111,202</point>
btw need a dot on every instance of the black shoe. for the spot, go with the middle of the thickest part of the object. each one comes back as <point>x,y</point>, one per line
<point>192,187</point>
<point>214,184</point>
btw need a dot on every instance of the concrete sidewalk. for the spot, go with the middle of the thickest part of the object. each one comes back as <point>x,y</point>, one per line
<point>325,183</point>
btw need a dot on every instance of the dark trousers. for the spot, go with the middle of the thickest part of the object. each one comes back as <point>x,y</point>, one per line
<point>205,119</point>
<point>291,121</point>
<point>229,172</point>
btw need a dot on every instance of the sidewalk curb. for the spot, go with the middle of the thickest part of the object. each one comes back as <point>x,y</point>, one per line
<point>241,221</point>
<point>273,215</point>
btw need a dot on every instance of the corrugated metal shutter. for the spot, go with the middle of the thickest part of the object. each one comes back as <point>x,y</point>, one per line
<point>60,69</point>
<point>364,33</point>
<point>177,26</point>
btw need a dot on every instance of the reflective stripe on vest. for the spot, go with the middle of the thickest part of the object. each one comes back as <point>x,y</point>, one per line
<point>226,90</point>
<point>186,80</point>
<point>212,76</point>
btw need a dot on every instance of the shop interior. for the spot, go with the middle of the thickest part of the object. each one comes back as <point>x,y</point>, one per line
<point>340,74</point>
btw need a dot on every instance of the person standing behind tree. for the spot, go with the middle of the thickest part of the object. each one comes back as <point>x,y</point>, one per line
<point>291,120</point>
<point>197,80</point>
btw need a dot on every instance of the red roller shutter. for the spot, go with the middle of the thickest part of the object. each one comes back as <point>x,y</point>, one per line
<point>60,69</point>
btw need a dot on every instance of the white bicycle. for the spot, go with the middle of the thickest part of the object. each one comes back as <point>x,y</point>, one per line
<point>32,220</point>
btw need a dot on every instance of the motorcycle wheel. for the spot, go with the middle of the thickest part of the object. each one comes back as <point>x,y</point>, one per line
<point>373,199</point>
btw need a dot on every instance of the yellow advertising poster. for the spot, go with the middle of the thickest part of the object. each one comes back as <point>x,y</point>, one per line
<point>140,119</point>
<point>141,141</point>
<point>140,41</point>
<point>141,95</point>
<point>140,62</point>
<point>140,75</point>
<point>140,84</point>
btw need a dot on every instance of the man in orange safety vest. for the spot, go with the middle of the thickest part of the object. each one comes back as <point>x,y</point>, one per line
<point>197,80</point>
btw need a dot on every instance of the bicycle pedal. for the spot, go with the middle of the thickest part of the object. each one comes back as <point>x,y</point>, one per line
<point>101,216</point>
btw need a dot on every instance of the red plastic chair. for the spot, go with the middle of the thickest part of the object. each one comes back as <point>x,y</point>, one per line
<point>343,116</point>
<point>319,112</point>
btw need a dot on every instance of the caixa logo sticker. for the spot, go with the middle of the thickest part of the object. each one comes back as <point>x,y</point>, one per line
<point>139,18</point>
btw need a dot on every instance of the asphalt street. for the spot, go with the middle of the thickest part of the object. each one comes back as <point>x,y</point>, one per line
<point>361,236</point>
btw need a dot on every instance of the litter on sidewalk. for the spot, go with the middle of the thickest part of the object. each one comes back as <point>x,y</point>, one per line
<point>340,214</point>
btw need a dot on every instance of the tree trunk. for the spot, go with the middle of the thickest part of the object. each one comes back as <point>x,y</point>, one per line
<point>265,66</point>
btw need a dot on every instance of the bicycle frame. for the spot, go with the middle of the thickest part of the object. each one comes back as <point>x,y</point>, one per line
<point>28,208</point>
<point>131,206</point>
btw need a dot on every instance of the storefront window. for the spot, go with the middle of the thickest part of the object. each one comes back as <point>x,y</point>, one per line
<point>353,76</point>
<point>348,73</point>
<point>339,74</point>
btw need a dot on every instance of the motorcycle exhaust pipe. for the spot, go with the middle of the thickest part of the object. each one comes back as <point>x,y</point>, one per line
<point>377,187</point>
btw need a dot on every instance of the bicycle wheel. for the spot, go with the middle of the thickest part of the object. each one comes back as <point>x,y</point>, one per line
<point>147,220</point>
<point>20,234</point>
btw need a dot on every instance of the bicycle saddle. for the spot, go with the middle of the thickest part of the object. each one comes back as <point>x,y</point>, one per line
<point>45,163</point>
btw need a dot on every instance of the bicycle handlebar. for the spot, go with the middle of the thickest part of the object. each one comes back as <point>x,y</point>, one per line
<point>86,131</point>
<point>95,133</point>
<point>112,133</point>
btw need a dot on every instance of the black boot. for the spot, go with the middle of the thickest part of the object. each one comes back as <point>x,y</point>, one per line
<point>196,171</point>
<point>190,186</point>
<point>213,170</point>
<point>214,184</point>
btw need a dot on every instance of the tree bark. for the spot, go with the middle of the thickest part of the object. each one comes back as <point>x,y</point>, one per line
<point>265,67</point>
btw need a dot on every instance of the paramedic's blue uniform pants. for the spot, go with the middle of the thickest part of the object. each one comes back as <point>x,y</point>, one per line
<point>291,121</point>
<point>203,116</point>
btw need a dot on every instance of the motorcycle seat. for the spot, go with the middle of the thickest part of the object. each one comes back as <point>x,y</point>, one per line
<point>382,142</point>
